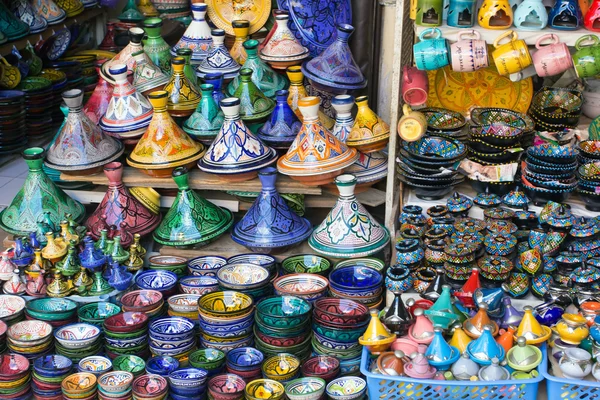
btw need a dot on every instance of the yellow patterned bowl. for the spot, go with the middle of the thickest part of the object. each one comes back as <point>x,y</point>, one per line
<point>261,389</point>
<point>29,349</point>
<point>79,383</point>
<point>13,384</point>
<point>192,315</point>
<point>281,367</point>
<point>224,304</point>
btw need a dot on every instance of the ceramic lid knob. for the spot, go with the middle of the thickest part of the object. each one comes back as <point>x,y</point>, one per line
<point>178,63</point>
<point>73,98</point>
<point>345,184</point>
<point>246,74</point>
<point>418,312</point>
<point>482,306</point>
<point>251,44</point>
<point>231,107</point>
<point>240,23</point>
<point>218,36</point>
<point>309,107</point>
<point>295,75</point>
<point>344,31</point>
<point>136,35</point>
<point>158,99</point>
<point>199,11</point>
<point>399,354</point>
<point>152,23</point>
<point>521,341</point>
<point>185,51</point>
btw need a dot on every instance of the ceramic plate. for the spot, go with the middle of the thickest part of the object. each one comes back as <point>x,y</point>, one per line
<point>222,12</point>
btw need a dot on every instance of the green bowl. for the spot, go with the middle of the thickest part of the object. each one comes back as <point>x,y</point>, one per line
<point>342,355</point>
<point>94,313</point>
<point>283,311</point>
<point>51,309</point>
<point>133,364</point>
<point>339,335</point>
<point>281,332</point>
<point>208,359</point>
<point>370,262</point>
<point>126,335</point>
<point>306,263</point>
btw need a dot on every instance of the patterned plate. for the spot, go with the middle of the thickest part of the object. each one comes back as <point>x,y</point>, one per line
<point>222,12</point>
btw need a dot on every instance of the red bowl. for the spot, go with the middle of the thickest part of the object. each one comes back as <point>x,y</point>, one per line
<point>130,321</point>
<point>341,312</point>
<point>13,364</point>
<point>247,376</point>
<point>149,386</point>
<point>280,342</point>
<point>226,387</point>
<point>142,300</point>
<point>324,367</point>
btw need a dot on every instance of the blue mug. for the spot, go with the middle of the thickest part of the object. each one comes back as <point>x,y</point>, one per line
<point>432,51</point>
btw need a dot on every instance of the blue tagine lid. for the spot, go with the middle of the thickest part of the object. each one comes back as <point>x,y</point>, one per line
<point>270,223</point>
<point>218,59</point>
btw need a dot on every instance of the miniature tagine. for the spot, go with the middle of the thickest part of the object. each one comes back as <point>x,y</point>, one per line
<point>125,55</point>
<point>485,348</point>
<point>204,124</point>
<point>349,230</point>
<point>191,220</point>
<point>335,70</point>
<point>80,147</point>
<point>531,329</point>
<point>155,46</point>
<point>147,77</point>
<point>236,154</point>
<point>305,160</point>
<point>369,133</point>
<point>523,356</point>
<point>439,353</point>
<point>121,209</point>
<point>197,35</point>
<point>270,225</point>
<point>164,145</point>
<point>376,337</point>
<point>38,198</point>
<point>130,13</point>
<point>97,104</point>
<point>282,49</point>
<point>267,80</point>
<point>129,112</point>
<point>241,28</point>
<point>419,367</point>
<point>218,59</point>
<point>183,95</point>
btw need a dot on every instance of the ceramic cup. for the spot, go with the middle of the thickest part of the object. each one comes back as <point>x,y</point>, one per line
<point>432,50</point>
<point>587,57</point>
<point>552,58</point>
<point>467,54</point>
<point>412,125</point>
<point>511,57</point>
<point>415,86</point>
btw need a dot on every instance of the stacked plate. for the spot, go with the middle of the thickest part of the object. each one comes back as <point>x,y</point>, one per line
<point>150,386</point>
<point>172,336</point>
<point>496,143</point>
<point>493,115</point>
<point>126,334</point>
<point>149,302</point>
<point>56,312</point>
<point>429,165</point>
<point>245,362</point>
<point>548,174</point>
<point>115,385</point>
<point>309,287</point>
<point>184,305</point>
<point>589,186</point>
<point>81,385</point>
<point>31,339</point>
<point>443,122</point>
<point>358,283</point>
<point>226,320</point>
<point>12,308</point>
<point>88,73</point>
<point>14,377</point>
<point>78,341</point>
<point>247,278</point>
<point>74,73</point>
<point>48,373</point>
<point>12,121</point>
<point>59,83</point>
<point>38,105</point>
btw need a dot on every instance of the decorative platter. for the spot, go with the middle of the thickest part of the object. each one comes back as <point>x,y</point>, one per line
<point>222,12</point>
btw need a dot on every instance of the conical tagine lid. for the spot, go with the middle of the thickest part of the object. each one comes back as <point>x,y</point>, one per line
<point>129,112</point>
<point>147,77</point>
<point>97,104</point>
<point>49,11</point>
<point>335,68</point>
<point>24,11</point>
<point>369,167</point>
<point>38,196</point>
<point>204,124</point>
<point>282,45</point>
<point>218,59</point>
<point>191,219</point>
<point>125,55</point>
<point>80,145</point>
<point>369,133</point>
<point>349,230</point>
<point>283,126</point>
<point>197,35</point>
<point>270,223</point>
<point>120,209</point>
<point>164,145</point>
<point>254,105</point>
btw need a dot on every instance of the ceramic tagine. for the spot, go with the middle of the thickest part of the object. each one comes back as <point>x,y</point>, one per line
<point>397,318</point>
<point>204,124</point>
<point>147,77</point>
<point>191,220</point>
<point>267,80</point>
<point>297,91</point>
<point>282,49</point>
<point>183,95</point>
<point>218,59</point>
<point>197,35</point>
<point>10,24</point>
<point>80,147</point>
<point>48,10</point>
<point>316,156</point>
<point>439,353</point>
<point>376,337</point>
<point>24,11</point>
<point>97,104</point>
<point>188,70</point>
<point>155,46</point>
<point>164,145</point>
<point>236,154</point>
<point>335,70</point>
<point>369,133</point>
<point>130,13</point>
<point>125,55</point>
<point>216,79</point>
<point>270,225</point>
<point>118,208</point>
<point>129,112</point>
<point>349,230</point>
<point>241,28</point>
<point>281,129</point>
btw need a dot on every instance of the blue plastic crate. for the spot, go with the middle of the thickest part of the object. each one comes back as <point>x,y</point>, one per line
<point>570,389</point>
<point>383,387</point>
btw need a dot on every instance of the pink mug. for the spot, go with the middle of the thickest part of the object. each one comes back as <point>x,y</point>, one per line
<point>415,86</point>
<point>469,55</point>
<point>553,58</point>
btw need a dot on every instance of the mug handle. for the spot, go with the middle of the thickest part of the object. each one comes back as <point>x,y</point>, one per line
<point>471,33</point>
<point>554,40</point>
<point>592,38</point>
<point>406,109</point>
<point>434,32</point>
<point>509,34</point>
<point>406,73</point>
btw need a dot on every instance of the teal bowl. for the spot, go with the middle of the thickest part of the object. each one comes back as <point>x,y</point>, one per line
<point>207,359</point>
<point>51,309</point>
<point>96,313</point>
<point>306,263</point>
<point>281,332</point>
<point>283,311</point>
<point>339,335</point>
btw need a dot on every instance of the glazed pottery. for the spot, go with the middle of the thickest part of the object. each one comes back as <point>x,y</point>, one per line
<point>464,368</point>
<point>282,49</point>
<point>49,11</point>
<point>204,124</point>
<point>531,329</point>
<point>493,372</point>
<point>80,147</point>
<point>524,357</point>
<point>572,328</point>
<point>241,27</point>
<point>155,46</point>
<point>11,25</point>
<point>97,104</point>
<point>125,55</point>
<point>24,11</point>
<point>369,133</point>
<point>283,126</point>
<point>147,77</point>
<point>191,219</point>
<point>297,91</point>
<point>474,326</point>
<point>183,95</point>
<point>254,106</point>
<point>218,59</point>
<point>197,35</point>
<point>459,338</point>
<point>565,15</point>
<point>418,366</point>
<point>222,15</point>
<point>575,363</point>
<point>130,13</point>
<point>485,348</point>
<point>397,319</point>
<point>376,338</point>
<point>188,69</point>
<point>439,353</point>
<point>164,145</point>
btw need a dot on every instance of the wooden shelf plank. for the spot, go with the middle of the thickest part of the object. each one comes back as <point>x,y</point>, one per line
<point>198,180</point>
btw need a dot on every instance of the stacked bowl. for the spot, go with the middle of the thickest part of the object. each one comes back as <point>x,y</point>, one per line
<point>150,386</point>
<point>359,283</point>
<point>187,383</point>
<point>12,121</point>
<point>161,365</point>
<point>589,186</point>
<point>38,106</point>
<point>130,363</point>
<point>126,334</point>
<point>96,365</point>
<point>48,374</point>
<point>210,360</point>
<point>56,312</point>
<point>3,329</point>
<point>444,122</point>
<point>556,109</point>
<point>198,284</point>
<point>306,263</point>
<point>226,320</point>
<point>283,368</point>
<point>175,264</point>
<point>96,313</point>
<point>78,341</point>
<point>174,337</point>
<point>12,308</point>
<point>309,287</point>
<point>115,385</point>
<point>81,385</point>
<point>164,282</point>
<point>205,265</point>
<point>251,279</point>
<point>149,302</point>
<point>324,367</point>
<point>589,152</point>
<point>31,339</point>
<point>256,389</point>
<point>226,387</point>
<point>245,362</point>
<point>283,326</point>
<point>14,377</point>
<point>305,389</point>
<point>184,305</point>
<point>264,260</point>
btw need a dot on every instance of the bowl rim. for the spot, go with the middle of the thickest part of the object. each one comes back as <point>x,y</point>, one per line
<point>309,276</point>
<point>96,335</point>
<point>281,298</point>
<point>143,322</point>
<point>223,293</point>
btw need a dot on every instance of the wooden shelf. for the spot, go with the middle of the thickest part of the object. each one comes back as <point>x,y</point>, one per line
<point>86,15</point>
<point>198,180</point>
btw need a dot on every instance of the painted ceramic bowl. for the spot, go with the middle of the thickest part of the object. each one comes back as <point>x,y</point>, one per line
<point>13,365</point>
<point>150,386</point>
<point>129,363</point>
<point>226,304</point>
<point>370,262</point>
<point>305,389</point>
<point>177,265</point>
<point>198,284</point>
<point>81,382</point>
<point>324,367</point>
<point>283,311</point>
<point>162,365</point>
<point>244,358</point>
<point>142,300</point>
<point>115,381</point>
<point>171,329</point>
<point>340,312</point>
<point>435,148</point>
<point>307,286</point>
<point>184,303</point>
<point>226,387</point>
<point>127,343</point>
<point>126,322</point>
<point>11,306</point>
<point>156,280</point>
<point>187,378</point>
<point>264,388</point>
<point>206,265</point>
<point>97,365</point>
<point>281,367</point>
<point>306,263</point>
<point>441,120</point>
<point>207,359</point>
<point>346,388</point>
<point>51,308</point>
<point>355,279</point>
<point>242,276</point>
<point>96,313</point>
<point>264,260</point>
<point>29,333</point>
<point>76,336</point>
<point>53,365</point>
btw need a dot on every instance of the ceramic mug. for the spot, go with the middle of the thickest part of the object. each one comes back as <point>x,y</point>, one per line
<point>432,50</point>
<point>415,86</point>
<point>587,57</point>
<point>469,55</point>
<point>511,57</point>
<point>553,58</point>
<point>413,124</point>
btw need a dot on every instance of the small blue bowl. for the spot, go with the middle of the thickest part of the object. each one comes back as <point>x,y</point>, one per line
<point>198,284</point>
<point>355,278</point>
<point>229,334</point>
<point>170,345</point>
<point>225,329</point>
<point>245,358</point>
<point>264,260</point>
<point>171,329</point>
<point>187,379</point>
<point>206,265</point>
<point>156,280</point>
<point>193,392</point>
<point>52,365</point>
<point>161,365</point>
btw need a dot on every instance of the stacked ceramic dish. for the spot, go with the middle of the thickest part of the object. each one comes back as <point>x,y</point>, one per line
<point>357,282</point>
<point>161,365</point>
<point>226,387</point>
<point>429,165</point>
<point>309,287</point>
<point>12,308</point>
<point>59,83</point>
<point>48,373</point>
<point>264,260</point>
<point>255,389</point>
<point>56,312</point>
<point>245,362</point>
<point>496,142</point>
<point>184,305</point>
<point>150,386</point>
<point>282,368</point>
<point>346,388</point>
<point>96,313</point>
<point>323,367</point>
<point>306,263</point>
<point>115,385</point>
<point>226,320</point>
<point>589,186</point>
<point>198,285</point>
<point>96,365</point>
<point>38,103</point>
<point>284,324</point>
<point>130,363</point>
<point>205,265</point>
<point>172,336</point>
<point>210,360</point>
<point>3,329</point>
<point>14,377</point>
<point>177,265</point>
<point>308,388</point>
<point>31,339</point>
<point>164,282</point>
<point>126,334</point>
<point>187,383</point>
<point>556,109</point>
<point>548,173</point>
<point>78,341</point>
<point>149,302</point>
<point>251,279</point>
<point>443,122</point>
<point>81,385</point>
<point>12,120</point>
